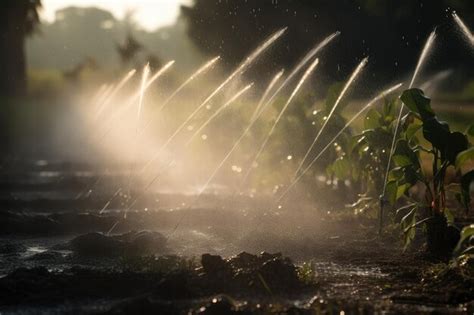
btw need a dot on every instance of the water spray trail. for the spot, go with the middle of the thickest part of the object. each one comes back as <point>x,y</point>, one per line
<point>371,103</point>
<point>238,71</point>
<point>464,29</point>
<point>346,87</point>
<point>436,79</point>
<point>302,63</point>
<point>115,90</point>
<point>103,95</point>
<point>236,144</point>
<point>146,72</point>
<point>173,162</point>
<point>200,71</point>
<point>280,115</point>
<point>131,100</point>
<point>424,54</point>
<point>265,94</point>
<point>98,95</point>
<point>217,112</point>
<point>235,97</point>
<point>246,63</point>
<point>117,192</point>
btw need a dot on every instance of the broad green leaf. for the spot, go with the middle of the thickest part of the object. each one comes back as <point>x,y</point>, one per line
<point>404,149</point>
<point>378,138</point>
<point>342,168</point>
<point>396,174</point>
<point>411,174</point>
<point>417,102</point>
<point>372,119</point>
<point>464,156</point>
<point>391,192</point>
<point>466,181</point>
<point>457,143</point>
<point>401,160</point>
<point>402,189</point>
<point>412,129</point>
<point>466,234</point>
<point>436,132</point>
<point>470,130</point>
<point>407,224</point>
<point>449,216</point>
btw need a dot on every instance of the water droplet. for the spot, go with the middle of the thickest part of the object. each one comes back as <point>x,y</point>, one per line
<point>204,137</point>
<point>289,157</point>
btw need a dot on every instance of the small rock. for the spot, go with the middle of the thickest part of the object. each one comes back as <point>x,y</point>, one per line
<point>213,264</point>
<point>221,304</point>
<point>9,248</point>
<point>96,244</point>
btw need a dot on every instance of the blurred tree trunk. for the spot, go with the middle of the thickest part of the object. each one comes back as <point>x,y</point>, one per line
<point>12,54</point>
<point>18,18</point>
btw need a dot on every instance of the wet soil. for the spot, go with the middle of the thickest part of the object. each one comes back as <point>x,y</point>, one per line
<point>224,256</point>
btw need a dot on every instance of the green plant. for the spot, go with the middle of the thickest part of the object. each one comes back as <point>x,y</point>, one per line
<point>362,158</point>
<point>447,150</point>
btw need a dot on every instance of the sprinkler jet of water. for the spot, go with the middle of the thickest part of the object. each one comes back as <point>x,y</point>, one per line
<point>115,90</point>
<point>133,99</point>
<point>242,136</point>
<point>173,162</point>
<point>217,112</point>
<point>208,121</point>
<point>293,73</point>
<point>309,56</point>
<point>465,30</point>
<point>129,102</point>
<point>238,71</point>
<point>254,118</point>
<point>236,144</point>
<point>421,61</point>
<point>371,103</point>
<point>307,73</point>
<point>146,72</point>
<point>208,65</point>
<point>433,82</point>
<point>265,94</point>
<point>103,96</point>
<point>97,97</point>
<point>346,87</point>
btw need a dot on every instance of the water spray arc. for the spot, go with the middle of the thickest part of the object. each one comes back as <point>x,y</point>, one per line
<point>346,87</point>
<point>360,112</point>
<point>114,91</point>
<point>307,73</point>
<point>245,132</point>
<point>307,58</point>
<point>200,71</point>
<point>421,61</point>
<point>464,29</point>
<point>218,111</point>
<point>238,71</point>
<point>265,94</point>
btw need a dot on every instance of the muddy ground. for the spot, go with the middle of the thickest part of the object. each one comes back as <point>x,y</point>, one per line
<point>226,255</point>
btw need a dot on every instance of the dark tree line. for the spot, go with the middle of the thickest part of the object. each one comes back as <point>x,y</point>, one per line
<point>18,18</point>
<point>391,32</point>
